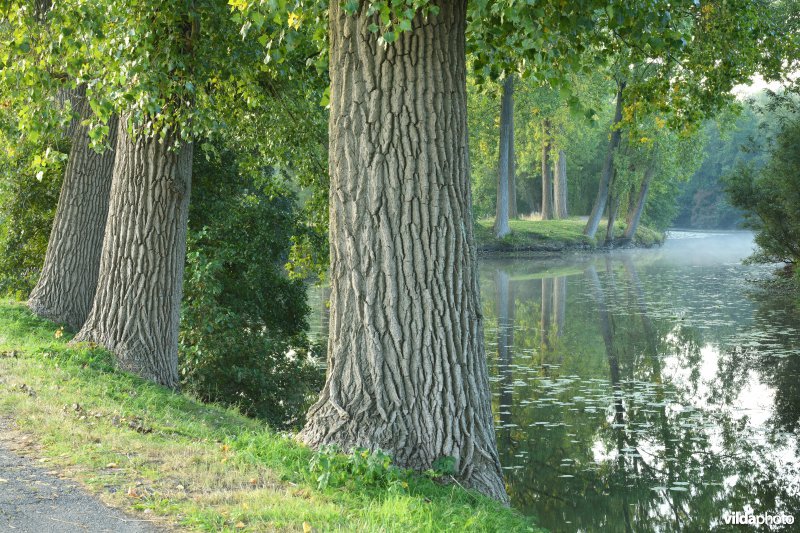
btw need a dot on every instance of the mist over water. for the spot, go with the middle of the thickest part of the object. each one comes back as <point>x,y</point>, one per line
<point>642,390</point>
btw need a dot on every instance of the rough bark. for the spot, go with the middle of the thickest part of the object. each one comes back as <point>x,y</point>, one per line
<point>136,308</point>
<point>560,186</point>
<point>635,214</point>
<point>504,194</point>
<point>547,175</point>
<point>608,169</point>
<point>67,283</point>
<point>407,369</point>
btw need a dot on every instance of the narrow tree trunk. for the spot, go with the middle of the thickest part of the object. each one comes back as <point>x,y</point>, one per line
<point>512,167</point>
<point>407,368</point>
<point>136,308</point>
<point>635,214</point>
<point>547,176</point>
<point>613,208</point>
<point>67,283</point>
<point>501,227</point>
<point>608,169</point>
<point>560,186</point>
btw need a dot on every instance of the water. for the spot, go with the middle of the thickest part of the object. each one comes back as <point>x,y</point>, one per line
<point>651,390</point>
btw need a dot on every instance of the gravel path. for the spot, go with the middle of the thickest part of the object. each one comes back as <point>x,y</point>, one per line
<point>33,500</point>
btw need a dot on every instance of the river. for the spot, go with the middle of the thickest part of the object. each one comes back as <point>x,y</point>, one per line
<point>643,390</point>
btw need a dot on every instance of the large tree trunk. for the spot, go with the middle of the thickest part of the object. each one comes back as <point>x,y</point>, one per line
<point>547,175</point>
<point>136,308</point>
<point>407,368</point>
<point>501,227</point>
<point>608,169</point>
<point>635,214</point>
<point>67,283</point>
<point>560,186</point>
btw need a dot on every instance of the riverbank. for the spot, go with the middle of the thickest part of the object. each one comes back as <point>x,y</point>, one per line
<point>176,462</point>
<point>553,236</point>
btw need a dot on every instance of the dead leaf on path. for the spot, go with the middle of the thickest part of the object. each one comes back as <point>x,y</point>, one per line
<point>132,493</point>
<point>307,527</point>
<point>239,525</point>
<point>111,465</point>
<point>3,480</point>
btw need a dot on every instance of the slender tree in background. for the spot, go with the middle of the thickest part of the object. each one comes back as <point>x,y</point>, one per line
<point>406,362</point>
<point>560,186</point>
<point>512,164</point>
<point>547,173</point>
<point>67,283</point>
<point>608,167</point>
<point>505,161</point>
<point>637,205</point>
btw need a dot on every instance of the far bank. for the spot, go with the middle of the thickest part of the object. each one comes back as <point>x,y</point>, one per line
<point>556,236</point>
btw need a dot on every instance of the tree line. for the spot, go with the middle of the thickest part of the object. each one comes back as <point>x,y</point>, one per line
<point>128,106</point>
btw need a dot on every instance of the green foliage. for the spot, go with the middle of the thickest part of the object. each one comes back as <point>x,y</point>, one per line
<point>243,320</point>
<point>28,196</point>
<point>770,195</point>
<point>360,469</point>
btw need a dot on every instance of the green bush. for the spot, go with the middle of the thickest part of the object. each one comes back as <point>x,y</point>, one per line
<point>243,323</point>
<point>770,195</point>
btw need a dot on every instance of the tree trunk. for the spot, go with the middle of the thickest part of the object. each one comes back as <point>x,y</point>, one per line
<point>635,214</point>
<point>512,165</point>
<point>547,176</point>
<point>68,280</point>
<point>407,369</point>
<point>504,195</point>
<point>613,208</point>
<point>560,186</point>
<point>136,308</point>
<point>608,169</point>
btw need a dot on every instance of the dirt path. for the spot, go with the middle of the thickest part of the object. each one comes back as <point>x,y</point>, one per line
<point>36,501</point>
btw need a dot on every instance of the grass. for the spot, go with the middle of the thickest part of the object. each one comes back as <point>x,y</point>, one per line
<point>169,458</point>
<point>553,235</point>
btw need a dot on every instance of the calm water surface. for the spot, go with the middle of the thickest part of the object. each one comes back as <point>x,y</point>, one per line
<point>649,390</point>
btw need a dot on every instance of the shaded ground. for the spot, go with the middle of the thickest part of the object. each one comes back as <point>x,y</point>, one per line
<point>35,500</point>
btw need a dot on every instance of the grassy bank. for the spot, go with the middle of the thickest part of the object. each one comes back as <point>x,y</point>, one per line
<point>553,236</point>
<point>173,460</point>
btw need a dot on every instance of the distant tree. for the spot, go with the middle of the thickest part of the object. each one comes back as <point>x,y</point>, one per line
<point>770,195</point>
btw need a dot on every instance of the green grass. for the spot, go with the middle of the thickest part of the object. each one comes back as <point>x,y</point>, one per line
<point>553,235</point>
<point>170,458</point>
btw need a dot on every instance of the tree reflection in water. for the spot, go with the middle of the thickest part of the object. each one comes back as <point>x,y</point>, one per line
<point>630,405</point>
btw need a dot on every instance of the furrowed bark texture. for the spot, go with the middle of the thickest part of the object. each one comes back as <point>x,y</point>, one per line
<point>67,283</point>
<point>407,369</point>
<point>136,308</point>
<point>547,175</point>
<point>501,227</point>
<point>560,186</point>
<point>608,170</point>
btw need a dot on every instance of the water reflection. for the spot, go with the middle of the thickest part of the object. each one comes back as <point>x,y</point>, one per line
<point>656,398</point>
<point>644,391</point>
